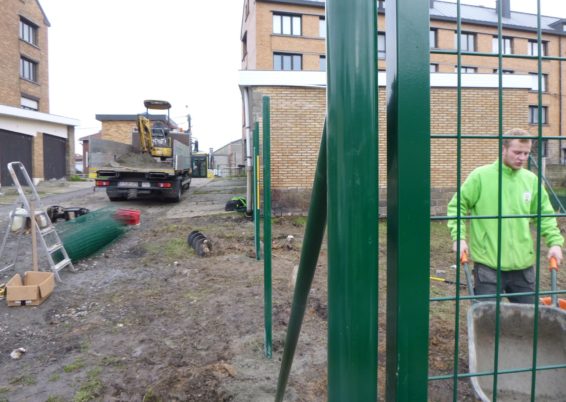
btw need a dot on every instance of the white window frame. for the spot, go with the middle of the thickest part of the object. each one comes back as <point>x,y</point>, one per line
<point>28,31</point>
<point>28,69</point>
<point>29,104</point>
<point>534,77</point>
<point>291,58</point>
<point>507,44</point>
<point>381,47</point>
<point>287,24</point>
<point>467,41</point>
<point>466,69</point>
<point>533,114</point>
<point>322,27</point>
<point>533,47</point>
<point>322,63</point>
<point>433,38</point>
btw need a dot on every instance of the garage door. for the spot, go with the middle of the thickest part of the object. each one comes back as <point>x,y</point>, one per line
<point>14,147</point>
<point>54,157</point>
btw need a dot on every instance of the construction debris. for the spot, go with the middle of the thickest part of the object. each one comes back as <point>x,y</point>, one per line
<point>17,353</point>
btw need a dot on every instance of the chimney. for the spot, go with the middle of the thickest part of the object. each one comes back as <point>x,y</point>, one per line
<point>505,8</point>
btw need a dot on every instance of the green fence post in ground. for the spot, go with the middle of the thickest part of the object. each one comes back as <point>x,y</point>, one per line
<point>352,199</point>
<point>314,233</point>
<point>408,199</point>
<point>256,193</point>
<point>267,226</point>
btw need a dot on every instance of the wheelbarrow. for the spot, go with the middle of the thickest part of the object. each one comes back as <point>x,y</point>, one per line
<point>515,353</point>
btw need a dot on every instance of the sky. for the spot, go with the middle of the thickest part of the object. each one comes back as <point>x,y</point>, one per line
<point>107,56</point>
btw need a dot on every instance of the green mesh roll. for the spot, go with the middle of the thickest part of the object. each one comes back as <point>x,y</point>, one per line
<point>87,234</point>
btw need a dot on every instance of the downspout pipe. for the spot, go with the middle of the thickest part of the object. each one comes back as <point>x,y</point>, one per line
<point>248,150</point>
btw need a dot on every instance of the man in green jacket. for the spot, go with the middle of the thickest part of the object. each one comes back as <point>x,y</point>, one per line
<point>479,197</point>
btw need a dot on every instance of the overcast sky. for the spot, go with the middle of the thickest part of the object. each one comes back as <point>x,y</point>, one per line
<point>107,56</point>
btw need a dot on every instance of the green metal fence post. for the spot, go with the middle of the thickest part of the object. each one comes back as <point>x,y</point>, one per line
<point>352,199</point>
<point>408,199</point>
<point>267,225</point>
<point>314,233</point>
<point>256,193</point>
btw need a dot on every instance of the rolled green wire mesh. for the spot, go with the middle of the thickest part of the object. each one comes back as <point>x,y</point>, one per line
<point>89,233</point>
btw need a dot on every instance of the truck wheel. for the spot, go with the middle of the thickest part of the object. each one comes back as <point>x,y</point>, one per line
<point>178,193</point>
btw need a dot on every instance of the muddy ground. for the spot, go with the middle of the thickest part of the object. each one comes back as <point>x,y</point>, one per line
<point>146,319</point>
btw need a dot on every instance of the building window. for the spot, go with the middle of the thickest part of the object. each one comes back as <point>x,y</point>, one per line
<point>28,103</point>
<point>284,24</point>
<point>381,45</point>
<point>432,38</point>
<point>533,48</point>
<point>381,4</point>
<point>544,80</point>
<point>434,68</point>
<point>28,31</point>
<point>466,69</point>
<point>507,45</point>
<point>467,41</point>
<point>287,61</point>
<point>322,63</point>
<point>322,27</point>
<point>533,114</point>
<point>245,46</point>
<point>496,71</point>
<point>28,69</point>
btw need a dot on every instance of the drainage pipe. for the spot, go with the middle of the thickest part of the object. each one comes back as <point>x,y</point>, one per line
<point>248,156</point>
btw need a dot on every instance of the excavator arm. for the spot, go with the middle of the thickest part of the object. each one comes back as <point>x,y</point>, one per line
<point>144,129</point>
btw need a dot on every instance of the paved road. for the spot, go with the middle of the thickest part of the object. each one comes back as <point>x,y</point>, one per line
<point>205,197</point>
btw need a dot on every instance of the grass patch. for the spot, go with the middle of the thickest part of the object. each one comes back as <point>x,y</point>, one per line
<point>4,390</point>
<point>54,377</point>
<point>90,389</point>
<point>111,361</point>
<point>84,346</point>
<point>76,177</point>
<point>150,397</point>
<point>170,249</point>
<point>78,364</point>
<point>23,380</point>
<point>55,399</point>
<point>299,221</point>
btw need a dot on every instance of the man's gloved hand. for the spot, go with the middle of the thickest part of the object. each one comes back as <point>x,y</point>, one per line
<point>556,252</point>
<point>463,247</point>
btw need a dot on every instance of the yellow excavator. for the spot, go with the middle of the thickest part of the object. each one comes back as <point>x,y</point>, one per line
<point>155,140</point>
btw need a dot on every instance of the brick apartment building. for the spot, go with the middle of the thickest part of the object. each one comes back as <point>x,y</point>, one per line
<point>283,56</point>
<point>27,131</point>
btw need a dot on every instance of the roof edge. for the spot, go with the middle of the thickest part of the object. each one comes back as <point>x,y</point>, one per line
<point>38,116</point>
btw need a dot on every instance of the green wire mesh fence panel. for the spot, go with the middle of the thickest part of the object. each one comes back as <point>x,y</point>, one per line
<point>482,344</point>
<point>87,234</point>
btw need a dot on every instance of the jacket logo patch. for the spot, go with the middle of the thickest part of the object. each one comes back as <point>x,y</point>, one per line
<point>527,196</point>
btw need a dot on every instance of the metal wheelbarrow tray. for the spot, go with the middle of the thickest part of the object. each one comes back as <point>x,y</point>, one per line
<point>516,333</point>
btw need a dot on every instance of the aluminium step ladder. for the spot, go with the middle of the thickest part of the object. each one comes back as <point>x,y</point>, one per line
<point>48,238</point>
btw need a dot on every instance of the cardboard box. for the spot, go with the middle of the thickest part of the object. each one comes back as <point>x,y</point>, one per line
<point>32,291</point>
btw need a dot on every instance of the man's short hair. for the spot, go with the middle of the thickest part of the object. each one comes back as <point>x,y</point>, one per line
<point>513,134</point>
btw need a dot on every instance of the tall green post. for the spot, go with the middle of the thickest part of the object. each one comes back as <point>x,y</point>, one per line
<point>408,199</point>
<point>256,193</point>
<point>352,199</point>
<point>267,226</point>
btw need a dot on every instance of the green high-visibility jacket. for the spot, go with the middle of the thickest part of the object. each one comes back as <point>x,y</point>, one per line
<point>479,197</point>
